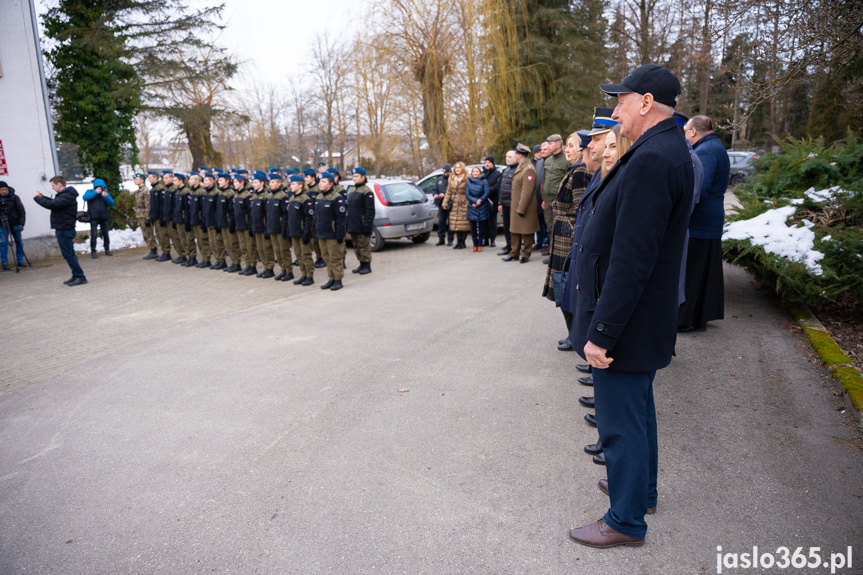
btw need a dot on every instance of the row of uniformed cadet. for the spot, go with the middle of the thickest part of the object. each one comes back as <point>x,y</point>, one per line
<point>221,214</point>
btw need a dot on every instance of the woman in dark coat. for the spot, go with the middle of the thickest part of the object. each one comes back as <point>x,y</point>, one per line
<point>477,191</point>
<point>564,208</point>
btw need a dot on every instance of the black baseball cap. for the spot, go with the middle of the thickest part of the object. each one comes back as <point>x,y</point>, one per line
<point>648,79</point>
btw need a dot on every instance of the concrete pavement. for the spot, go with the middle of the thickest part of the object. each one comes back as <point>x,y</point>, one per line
<point>171,420</point>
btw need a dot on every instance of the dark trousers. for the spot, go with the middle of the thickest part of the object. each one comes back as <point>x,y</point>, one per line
<point>94,225</point>
<point>477,232</point>
<point>443,224</point>
<point>15,232</point>
<point>491,222</point>
<point>66,240</point>
<point>626,420</point>
<point>542,234</point>
<point>506,212</point>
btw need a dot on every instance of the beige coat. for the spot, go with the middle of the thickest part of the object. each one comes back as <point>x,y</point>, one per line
<point>458,221</point>
<point>523,218</point>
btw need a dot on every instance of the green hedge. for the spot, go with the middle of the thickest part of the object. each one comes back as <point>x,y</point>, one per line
<point>780,178</point>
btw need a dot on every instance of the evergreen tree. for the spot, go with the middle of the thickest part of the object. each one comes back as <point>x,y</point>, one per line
<point>824,119</point>
<point>97,93</point>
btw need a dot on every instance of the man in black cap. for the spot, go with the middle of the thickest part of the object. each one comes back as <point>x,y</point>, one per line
<point>442,214</point>
<point>625,321</point>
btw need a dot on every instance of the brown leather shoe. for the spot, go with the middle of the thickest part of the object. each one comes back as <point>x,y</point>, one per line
<point>603,486</point>
<point>602,536</point>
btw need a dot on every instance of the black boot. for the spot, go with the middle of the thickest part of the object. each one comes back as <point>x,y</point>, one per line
<point>357,269</point>
<point>203,264</point>
<point>232,269</point>
<point>287,276</point>
<point>320,263</point>
<point>308,281</point>
<point>299,280</point>
<point>191,262</point>
<point>328,285</point>
<point>152,255</point>
<point>180,260</point>
<point>440,241</point>
<point>163,258</point>
<point>337,285</point>
<point>267,274</point>
<point>279,277</point>
<point>365,268</point>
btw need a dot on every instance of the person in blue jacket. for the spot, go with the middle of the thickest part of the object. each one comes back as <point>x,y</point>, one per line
<point>705,288</point>
<point>477,191</point>
<point>98,201</point>
<point>627,270</point>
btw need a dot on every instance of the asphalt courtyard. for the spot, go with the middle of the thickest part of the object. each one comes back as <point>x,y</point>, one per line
<point>178,421</point>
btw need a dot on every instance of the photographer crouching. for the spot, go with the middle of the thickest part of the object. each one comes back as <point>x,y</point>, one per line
<point>12,218</point>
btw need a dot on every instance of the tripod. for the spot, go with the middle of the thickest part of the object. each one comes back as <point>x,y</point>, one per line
<point>19,249</point>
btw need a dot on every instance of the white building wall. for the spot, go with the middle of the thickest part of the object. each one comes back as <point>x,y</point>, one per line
<point>25,130</point>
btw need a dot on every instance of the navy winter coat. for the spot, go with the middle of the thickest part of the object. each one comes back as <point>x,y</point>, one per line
<point>628,263</point>
<point>708,216</point>
<point>475,190</point>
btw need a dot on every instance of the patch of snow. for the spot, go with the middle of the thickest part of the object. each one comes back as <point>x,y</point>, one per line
<point>769,230</point>
<point>796,201</point>
<point>826,238</point>
<point>120,239</point>
<point>830,195</point>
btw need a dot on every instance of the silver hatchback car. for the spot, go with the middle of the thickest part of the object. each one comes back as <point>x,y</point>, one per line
<point>402,210</point>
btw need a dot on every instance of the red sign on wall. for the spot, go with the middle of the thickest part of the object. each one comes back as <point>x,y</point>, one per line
<point>3,170</point>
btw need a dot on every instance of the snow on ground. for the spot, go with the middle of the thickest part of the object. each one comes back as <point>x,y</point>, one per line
<point>770,230</point>
<point>120,239</point>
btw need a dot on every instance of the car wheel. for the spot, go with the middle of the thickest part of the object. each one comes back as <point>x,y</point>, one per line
<point>422,238</point>
<point>376,242</point>
<point>737,179</point>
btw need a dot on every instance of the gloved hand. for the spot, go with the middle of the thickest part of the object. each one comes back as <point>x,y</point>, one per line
<point>251,234</point>
<point>218,230</point>
<point>232,228</point>
<point>203,227</point>
<point>306,242</point>
<point>174,225</point>
<point>163,223</point>
<point>148,223</point>
<point>339,240</point>
<point>266,236</point>
<point>188,228</point>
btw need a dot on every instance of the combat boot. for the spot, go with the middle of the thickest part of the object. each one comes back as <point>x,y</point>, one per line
<point>308,281</point>
<point>366,268</point>
<point>267,274</point>
<point>191,262</point>
<point>152,255</point>
<point>337,285</point>
<point>287,276</point>
<point>232,269</point>
<point>299,280</point>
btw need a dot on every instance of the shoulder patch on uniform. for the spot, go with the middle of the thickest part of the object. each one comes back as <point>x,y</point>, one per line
<point>341,208</point>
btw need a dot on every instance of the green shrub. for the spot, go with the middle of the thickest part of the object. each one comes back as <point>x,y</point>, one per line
<point>780,178</point>
<point>122,214</point>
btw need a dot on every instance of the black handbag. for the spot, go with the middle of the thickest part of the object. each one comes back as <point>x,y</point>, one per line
<point>558,282</point>
<point>82,216</point>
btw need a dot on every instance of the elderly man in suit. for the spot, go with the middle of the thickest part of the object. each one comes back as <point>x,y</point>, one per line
<point>626,282</point>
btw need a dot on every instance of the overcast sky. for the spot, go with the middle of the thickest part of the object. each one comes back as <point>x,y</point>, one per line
<point>273,37</point>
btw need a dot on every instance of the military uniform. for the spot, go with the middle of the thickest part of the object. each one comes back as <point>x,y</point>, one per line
<point>523,224</point>
<point>214,231</point>
<point>554,170</point>
<point>242,217</point>
<point>277,203</point>
<point>225,220</point>
<point>142,213</point>
<point>300,219</point>
<point>179,235</point>
<point>258,230</point>
<point>165,207</point>
<point>331,227</point>
<point>313,192</point>
<point>196,224</point>
<point>360,224</point>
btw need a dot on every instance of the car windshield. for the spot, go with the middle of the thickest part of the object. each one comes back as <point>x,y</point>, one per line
<point>403,193</point>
